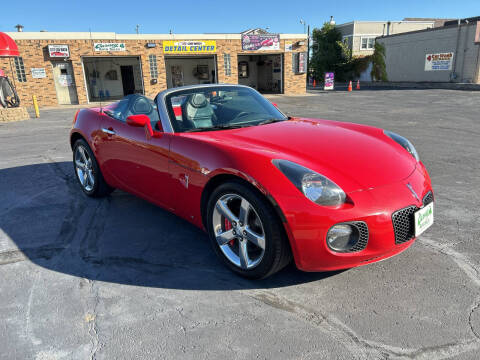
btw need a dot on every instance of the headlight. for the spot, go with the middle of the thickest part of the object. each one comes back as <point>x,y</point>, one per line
<point>314,186</point>
<point>407,145</point>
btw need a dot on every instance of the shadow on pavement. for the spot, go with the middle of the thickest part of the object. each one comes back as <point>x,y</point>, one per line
<point>120,239</point>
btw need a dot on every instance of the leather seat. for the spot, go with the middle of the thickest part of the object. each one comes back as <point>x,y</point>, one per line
<point>198,112</point>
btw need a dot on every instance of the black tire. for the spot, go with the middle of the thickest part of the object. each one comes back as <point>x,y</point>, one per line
<point>100,187</point>
<point>277,253</point>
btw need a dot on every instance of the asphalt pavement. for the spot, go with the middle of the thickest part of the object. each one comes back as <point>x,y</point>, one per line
<point>85,278</point>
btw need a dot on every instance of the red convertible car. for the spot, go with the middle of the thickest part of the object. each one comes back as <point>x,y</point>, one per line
<point>266,187</point>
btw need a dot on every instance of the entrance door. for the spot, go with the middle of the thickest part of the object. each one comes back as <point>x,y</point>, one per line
<point>128,80</point>
<point>65,83</point>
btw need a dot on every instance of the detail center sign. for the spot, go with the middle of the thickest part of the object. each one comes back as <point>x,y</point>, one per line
<point>189,47</point>
<point>109,46</point>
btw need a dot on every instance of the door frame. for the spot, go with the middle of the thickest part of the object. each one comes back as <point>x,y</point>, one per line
<point>136,57</point>
<point>69,63</point>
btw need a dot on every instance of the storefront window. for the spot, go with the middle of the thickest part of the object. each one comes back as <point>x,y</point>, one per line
<point>228,67</point>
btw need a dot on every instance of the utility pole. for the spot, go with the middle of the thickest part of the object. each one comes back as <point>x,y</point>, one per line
<point>136,28</point>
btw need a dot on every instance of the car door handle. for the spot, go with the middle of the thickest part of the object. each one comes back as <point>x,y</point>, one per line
<point>109,131</point>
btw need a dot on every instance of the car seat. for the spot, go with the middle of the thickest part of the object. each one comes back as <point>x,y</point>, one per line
<point>198,112</point>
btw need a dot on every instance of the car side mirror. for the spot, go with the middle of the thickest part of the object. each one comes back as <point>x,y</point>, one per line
<point>142,120</point>
<point>138,120</point>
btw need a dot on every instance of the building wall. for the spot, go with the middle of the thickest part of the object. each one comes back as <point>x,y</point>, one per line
<point>405,54</point>
<point>356,30</point>
<point>35,55</point>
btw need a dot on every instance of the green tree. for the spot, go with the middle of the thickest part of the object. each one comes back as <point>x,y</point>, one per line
<point>379,70</point>
<point>329,53</point>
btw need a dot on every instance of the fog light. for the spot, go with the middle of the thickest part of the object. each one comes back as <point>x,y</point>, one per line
<point>342,237</point>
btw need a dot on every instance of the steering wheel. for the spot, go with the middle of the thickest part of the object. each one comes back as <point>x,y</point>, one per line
<point>240,115</point>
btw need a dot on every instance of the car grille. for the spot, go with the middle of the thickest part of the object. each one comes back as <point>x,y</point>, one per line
<point>404,222</point>
<point>363,236</point>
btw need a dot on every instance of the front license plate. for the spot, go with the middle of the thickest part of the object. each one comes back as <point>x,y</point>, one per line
<point>423,219</point>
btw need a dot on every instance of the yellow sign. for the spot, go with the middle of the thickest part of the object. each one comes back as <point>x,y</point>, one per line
<point>189,46</point>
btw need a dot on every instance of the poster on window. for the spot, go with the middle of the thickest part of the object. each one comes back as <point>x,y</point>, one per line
<point>439,62</point>
<point>261,42</point>
<point>329,81</point>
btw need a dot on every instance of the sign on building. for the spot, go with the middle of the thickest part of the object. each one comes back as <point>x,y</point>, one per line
<point>439,62</point>
<point>261,42</point>
<point>189,47</point>
<point>38,73</point>
<point>299,63</point>
<point>288,46</point>
<point>109,46</point>
<point>58,51</point>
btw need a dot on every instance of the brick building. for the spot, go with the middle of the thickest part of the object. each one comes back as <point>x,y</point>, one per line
<point>83,67</point>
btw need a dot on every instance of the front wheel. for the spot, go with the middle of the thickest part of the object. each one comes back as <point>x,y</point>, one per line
<point>88,172</point>
<point>245,231</point>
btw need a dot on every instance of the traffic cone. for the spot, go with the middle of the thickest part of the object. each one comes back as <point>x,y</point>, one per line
<point>314,83</point>
<point>358,85</point>
<point>350,86</point>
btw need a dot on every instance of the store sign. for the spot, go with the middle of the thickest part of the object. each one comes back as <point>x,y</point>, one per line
<point>38,73</point>
<point>288,46</point>
<point>329,81</point>
<point>109,46</point>
<point>189,47</point>
<point>439,62</point>
<point>261,42</point>
<point>61,51</point>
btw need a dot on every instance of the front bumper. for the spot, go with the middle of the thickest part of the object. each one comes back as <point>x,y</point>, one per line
<point>307,223</point>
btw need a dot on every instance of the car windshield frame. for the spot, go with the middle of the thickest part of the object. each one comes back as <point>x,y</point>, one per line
<point>271,112</point>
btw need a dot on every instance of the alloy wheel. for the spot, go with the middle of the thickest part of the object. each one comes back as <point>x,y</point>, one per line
<point>239,231</point>
<point>84,168</point>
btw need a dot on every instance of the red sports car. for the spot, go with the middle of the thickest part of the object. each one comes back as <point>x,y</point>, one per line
<point>266,187</point>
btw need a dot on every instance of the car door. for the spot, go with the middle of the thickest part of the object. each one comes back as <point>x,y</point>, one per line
<point>135,161</point>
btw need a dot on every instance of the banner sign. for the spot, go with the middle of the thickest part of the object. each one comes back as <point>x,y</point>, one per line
<point>438,62</point>
<point>109,46</point>
<point>38,73</point>
<point>55,51</point>
<point>189,47</point>
<point>329,81</point>
<point>261,42</point>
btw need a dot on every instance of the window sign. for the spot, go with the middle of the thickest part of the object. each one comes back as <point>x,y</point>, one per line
<point>58,51</point>
<point>109,46</point>
<point>38,73</point>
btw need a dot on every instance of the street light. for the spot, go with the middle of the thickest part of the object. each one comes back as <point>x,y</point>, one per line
<point>304,23</point>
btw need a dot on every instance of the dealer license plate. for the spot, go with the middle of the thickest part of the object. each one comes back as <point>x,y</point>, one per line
<point>423,219</point>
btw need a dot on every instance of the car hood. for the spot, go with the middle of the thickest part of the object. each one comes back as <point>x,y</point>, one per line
<point>356,157</point>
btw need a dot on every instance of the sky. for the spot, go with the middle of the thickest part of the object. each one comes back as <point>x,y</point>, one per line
<point>224,16</point>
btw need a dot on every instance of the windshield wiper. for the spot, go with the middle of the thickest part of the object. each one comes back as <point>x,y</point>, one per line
<point>269,121</point>
<point>216,127</point>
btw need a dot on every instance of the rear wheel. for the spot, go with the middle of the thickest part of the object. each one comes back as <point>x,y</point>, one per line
<point>245,231</point>
<point>88,172</point>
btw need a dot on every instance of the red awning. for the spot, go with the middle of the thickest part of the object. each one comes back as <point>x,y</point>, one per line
<point>8,46</point>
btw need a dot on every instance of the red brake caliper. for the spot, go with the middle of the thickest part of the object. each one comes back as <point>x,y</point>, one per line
<point>228,226</point>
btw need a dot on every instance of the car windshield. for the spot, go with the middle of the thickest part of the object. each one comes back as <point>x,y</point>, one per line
<point>219,108</point>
